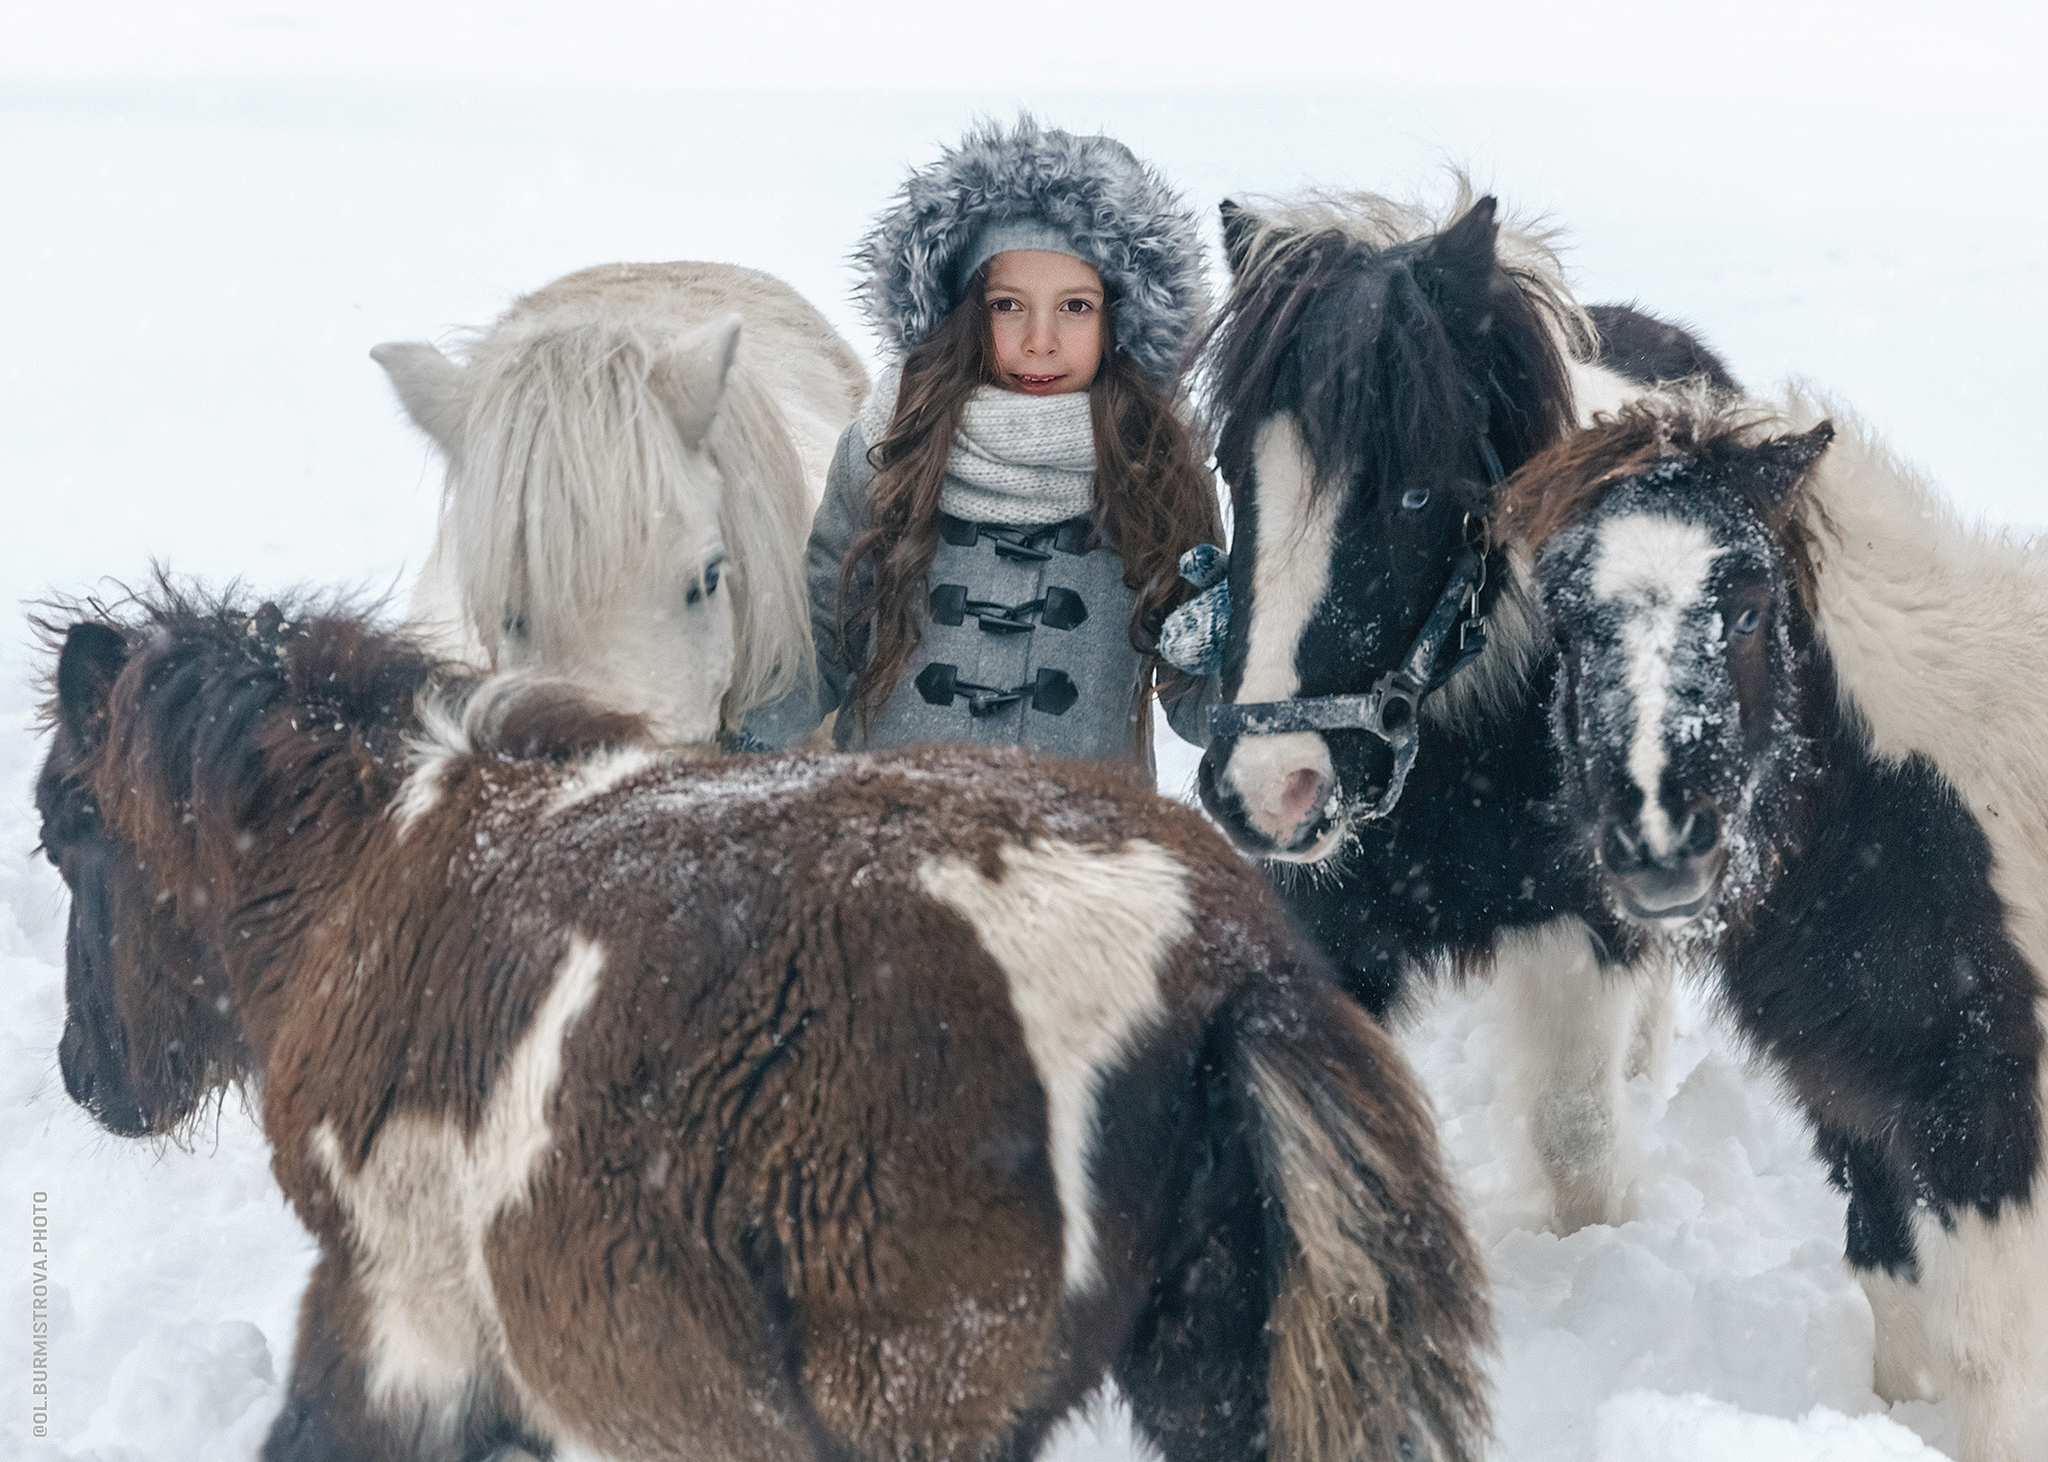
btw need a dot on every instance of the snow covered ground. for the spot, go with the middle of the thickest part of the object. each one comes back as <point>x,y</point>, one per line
<point>195,265</point>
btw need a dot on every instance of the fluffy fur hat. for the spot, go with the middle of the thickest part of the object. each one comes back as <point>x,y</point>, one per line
<point>1117,213</point>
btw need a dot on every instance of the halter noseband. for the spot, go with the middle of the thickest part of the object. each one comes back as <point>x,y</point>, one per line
<point>1390,708</point>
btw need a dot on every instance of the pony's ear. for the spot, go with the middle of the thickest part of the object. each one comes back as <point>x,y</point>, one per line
<point>429,386</point>
<point>1783,462</point>
<point>1240,227</point>
<point>1458,266</point>
<point>692,375</point>
<point>92,657</point>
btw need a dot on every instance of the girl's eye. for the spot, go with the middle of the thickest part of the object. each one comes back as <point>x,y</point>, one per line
<point>1414,498</point>
<point>1077,307</point>
<point>1004,306</point>
<point>1747,621</point>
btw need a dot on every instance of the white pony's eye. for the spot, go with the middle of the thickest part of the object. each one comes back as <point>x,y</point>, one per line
<point>697,593</point>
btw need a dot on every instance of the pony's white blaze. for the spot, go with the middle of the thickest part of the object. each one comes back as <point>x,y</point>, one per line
<point>1080,934</point>
<point>421,1204</point>
<point>1297,534</point>
<point>1653,569</point>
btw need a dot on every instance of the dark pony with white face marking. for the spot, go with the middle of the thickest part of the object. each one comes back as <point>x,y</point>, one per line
<point>1374,375</point>
<point>1801,712</point>
<point>800,1107</point>
<point>1368,396</point>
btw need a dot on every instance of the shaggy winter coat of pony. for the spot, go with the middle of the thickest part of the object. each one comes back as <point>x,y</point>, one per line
<point>1801,710</point>
<point>1119,214</point>
<point>749,1109</point>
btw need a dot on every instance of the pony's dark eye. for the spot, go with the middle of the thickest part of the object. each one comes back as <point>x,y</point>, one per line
<point>699,592</point>
<point>1415,497</point>
<point>1747,621</point>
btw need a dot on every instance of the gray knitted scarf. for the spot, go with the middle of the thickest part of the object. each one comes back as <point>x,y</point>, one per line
<point>1021,460</point>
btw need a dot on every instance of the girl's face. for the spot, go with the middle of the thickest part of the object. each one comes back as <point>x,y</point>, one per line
<point>1045,316</point>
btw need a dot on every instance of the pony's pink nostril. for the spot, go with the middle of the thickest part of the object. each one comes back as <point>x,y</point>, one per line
<point>1299,794</point>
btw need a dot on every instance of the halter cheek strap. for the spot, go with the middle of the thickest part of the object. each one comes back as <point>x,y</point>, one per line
<point>1389,710</point>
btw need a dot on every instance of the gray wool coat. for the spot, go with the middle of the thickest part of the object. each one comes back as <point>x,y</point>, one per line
<point>1027,642</point>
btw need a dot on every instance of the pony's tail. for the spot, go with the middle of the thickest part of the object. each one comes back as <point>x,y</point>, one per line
<point>1378,1319</point>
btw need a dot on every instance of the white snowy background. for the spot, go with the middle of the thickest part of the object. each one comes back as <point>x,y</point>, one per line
<point>209,213</point>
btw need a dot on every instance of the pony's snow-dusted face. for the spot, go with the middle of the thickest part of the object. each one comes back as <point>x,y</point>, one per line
<point>1676,703</point>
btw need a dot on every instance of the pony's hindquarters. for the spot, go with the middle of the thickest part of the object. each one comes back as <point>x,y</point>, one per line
<point>1324,1290</point>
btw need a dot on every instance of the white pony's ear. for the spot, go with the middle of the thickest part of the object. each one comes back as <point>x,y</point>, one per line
<point>429,386</point>
<point>692,375</point>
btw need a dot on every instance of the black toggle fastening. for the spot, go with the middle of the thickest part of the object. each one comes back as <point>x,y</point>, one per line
<point>1059,609</point>
<point>1050,691</point>
<point>1029,545</point>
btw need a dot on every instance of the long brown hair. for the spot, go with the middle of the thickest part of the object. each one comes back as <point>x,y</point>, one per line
<point>1153,500</point>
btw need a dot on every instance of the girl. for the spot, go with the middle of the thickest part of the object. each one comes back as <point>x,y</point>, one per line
<point>998,541</point>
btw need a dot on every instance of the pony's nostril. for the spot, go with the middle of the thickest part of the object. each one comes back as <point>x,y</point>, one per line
<point>1620,852</point>
<point>1702,833</point>
<point>1300,793</point>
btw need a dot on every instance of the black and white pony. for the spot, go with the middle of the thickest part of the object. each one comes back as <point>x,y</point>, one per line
<point>1373,378</point>
<point>1803,709</point>
<point>634,453</point>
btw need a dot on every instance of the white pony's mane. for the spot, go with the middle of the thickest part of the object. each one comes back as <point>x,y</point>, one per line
<point>571,458</point>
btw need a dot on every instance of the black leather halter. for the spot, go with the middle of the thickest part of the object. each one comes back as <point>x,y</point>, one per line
<point>1389,709</point>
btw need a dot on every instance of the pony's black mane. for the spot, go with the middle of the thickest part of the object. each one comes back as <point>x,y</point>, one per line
<point>205,667</point>
<point>1360,344</point>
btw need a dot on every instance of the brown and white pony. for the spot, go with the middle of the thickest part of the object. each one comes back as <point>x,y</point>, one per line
<point>748,1109</point>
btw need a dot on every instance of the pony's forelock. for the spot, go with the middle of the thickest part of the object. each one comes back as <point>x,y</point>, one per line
<point>1345,257</point>
<point>570,463</point>
<point>1678,427</point>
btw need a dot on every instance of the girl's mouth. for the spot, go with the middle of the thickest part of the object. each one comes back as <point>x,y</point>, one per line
<point>1035,383</point>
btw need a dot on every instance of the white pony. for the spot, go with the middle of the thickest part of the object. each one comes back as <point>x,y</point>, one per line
<point>633,456</point>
